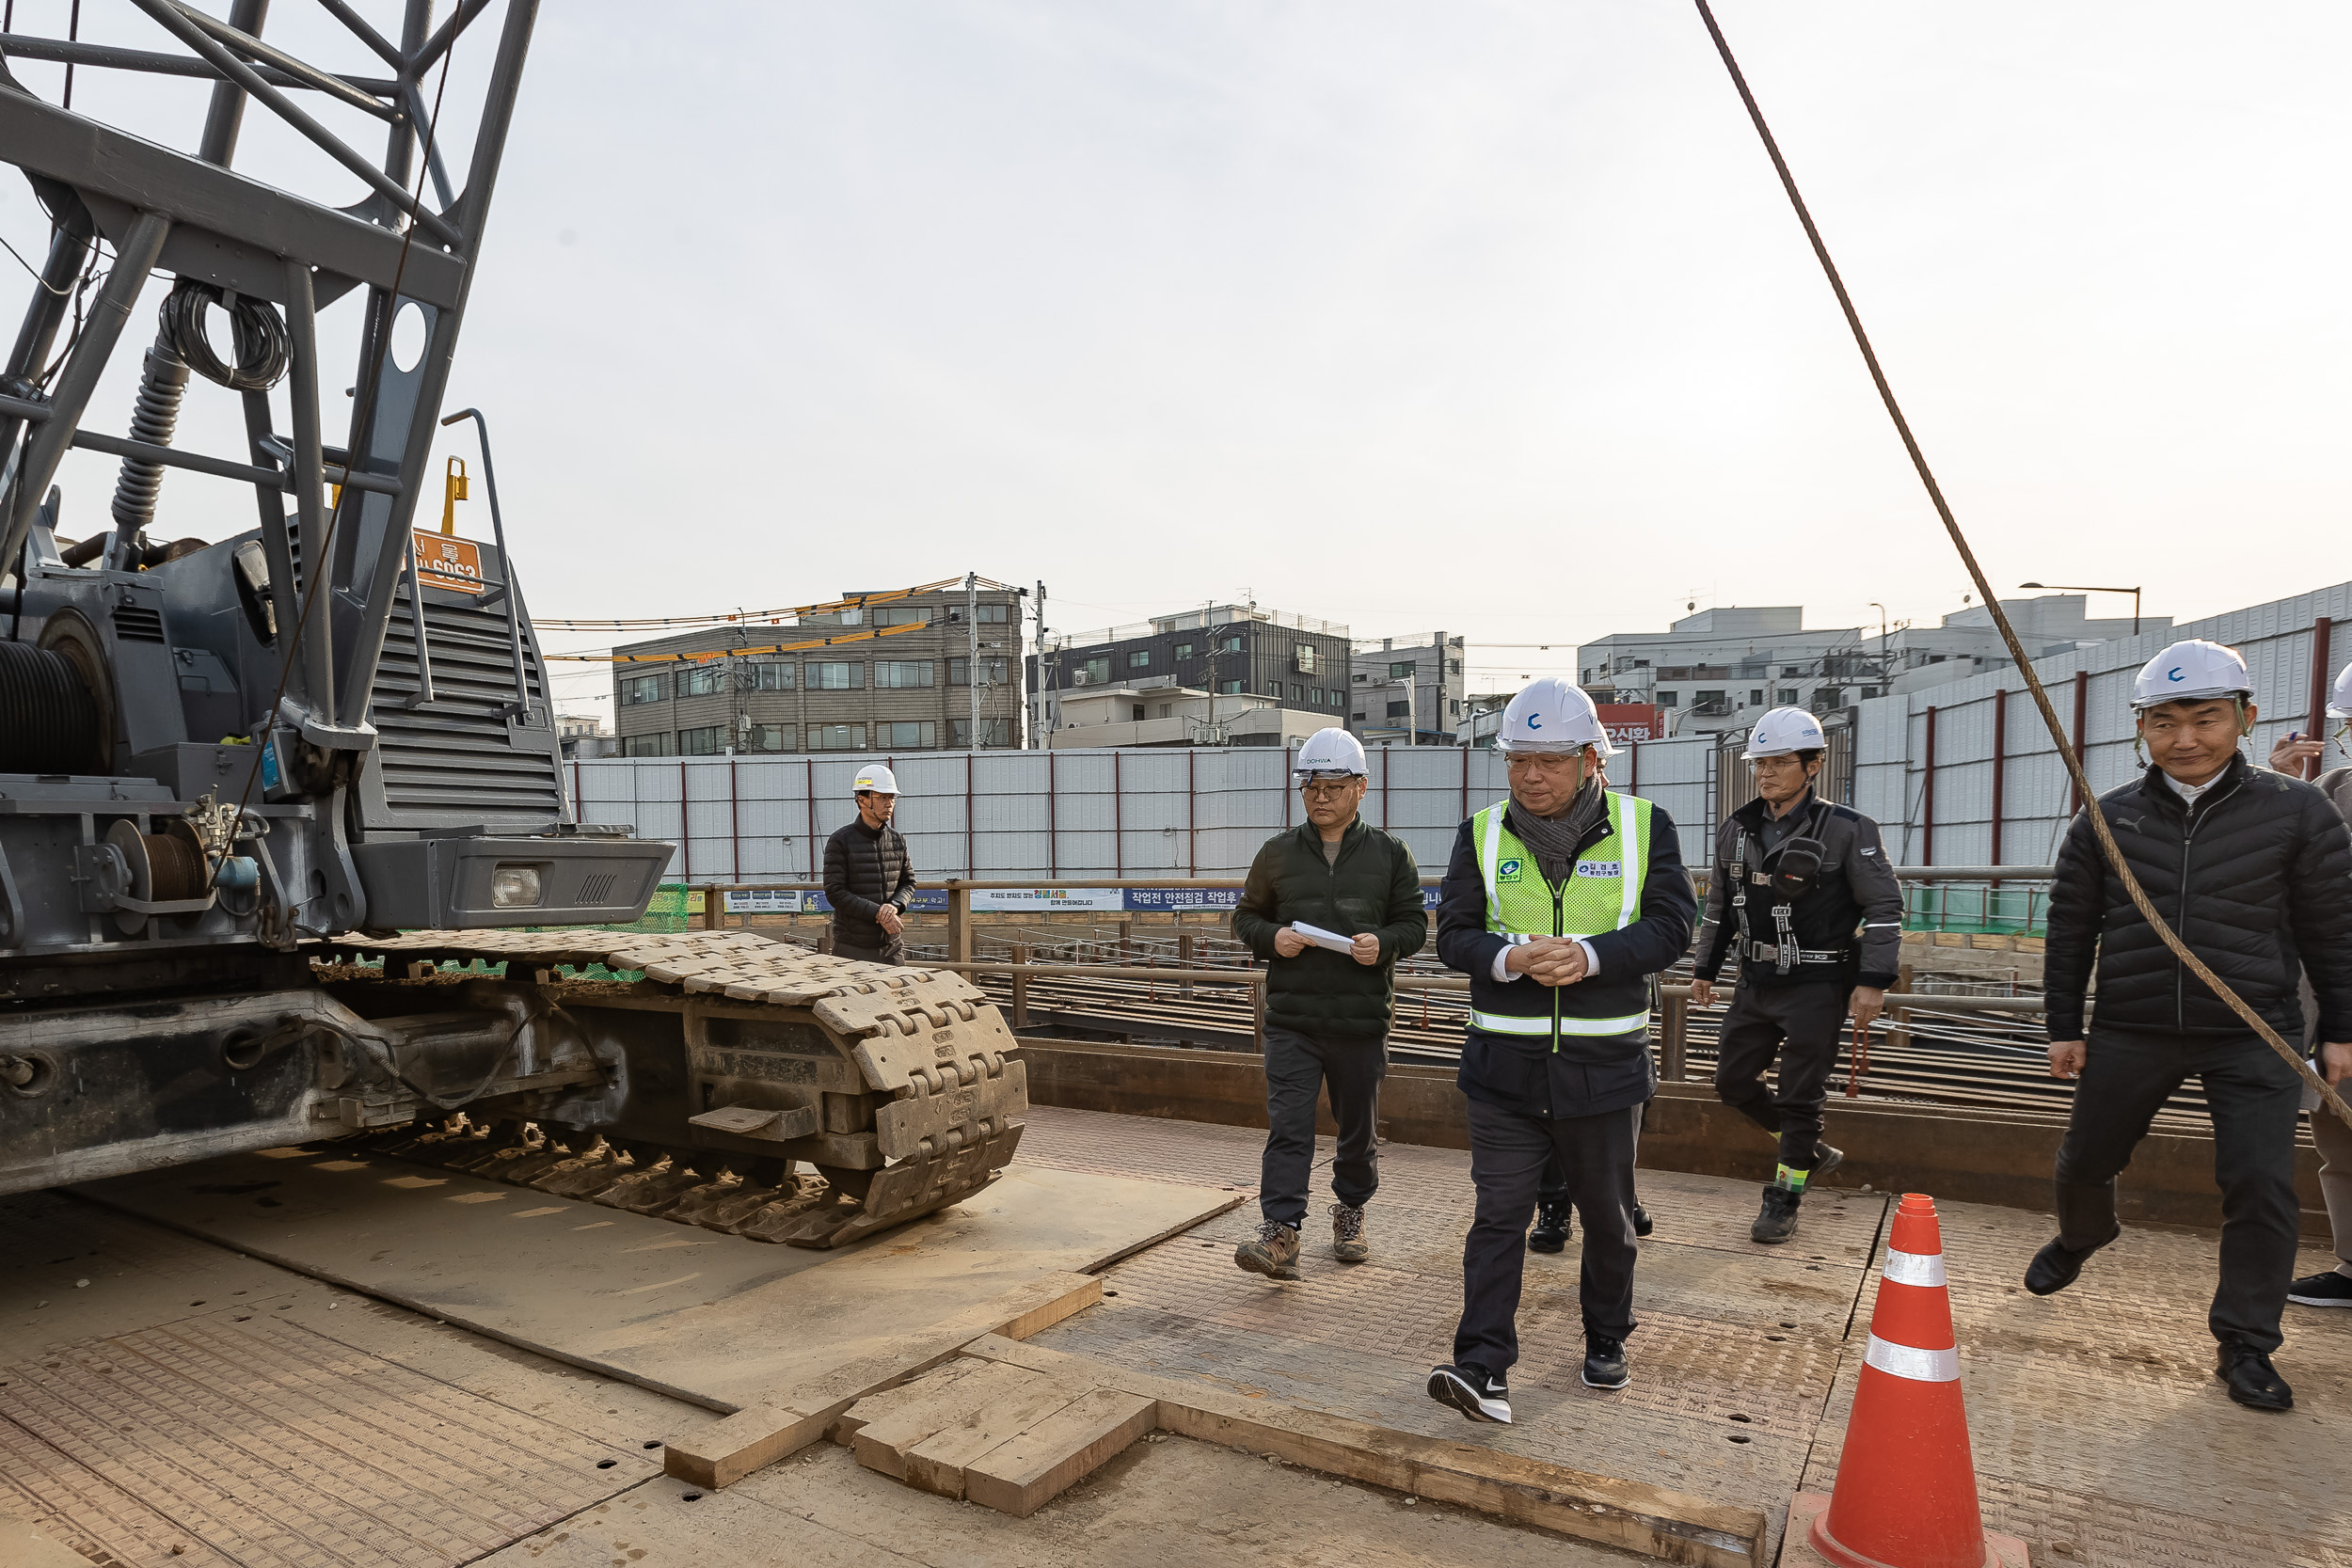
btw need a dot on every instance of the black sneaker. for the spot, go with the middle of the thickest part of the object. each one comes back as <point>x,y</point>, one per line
<point>1825,1160</point>
<point>2253,1382</point>
<point>1643,1225</point>
<point>2332,1288</point>
<point>1552,1224</point>
<point>1471,1390</point>
<point>1776,1220</point>
<point>1604,1362</point>
<point>2056,1265</point>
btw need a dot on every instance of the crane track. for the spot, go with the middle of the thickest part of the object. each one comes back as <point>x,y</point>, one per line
<point>898,1084</point>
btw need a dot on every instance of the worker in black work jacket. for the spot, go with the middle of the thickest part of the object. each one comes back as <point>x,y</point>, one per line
<point>1330,905</point>
<point>869,877</point>
<point>2254,871</point>
<point>1560,903</point>
<point>1801,890</point>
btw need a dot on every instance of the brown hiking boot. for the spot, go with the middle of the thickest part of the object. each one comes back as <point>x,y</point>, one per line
<point>1274,1254</point>
<point>1347,1234</point>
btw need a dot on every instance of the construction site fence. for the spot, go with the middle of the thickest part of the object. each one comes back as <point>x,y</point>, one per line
<point>1959,773</point>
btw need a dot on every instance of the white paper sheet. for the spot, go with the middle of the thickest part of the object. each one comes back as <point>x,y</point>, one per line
<point>1322,937</point>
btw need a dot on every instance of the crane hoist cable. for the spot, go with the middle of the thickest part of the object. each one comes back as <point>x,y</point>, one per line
<point>2139,895</point>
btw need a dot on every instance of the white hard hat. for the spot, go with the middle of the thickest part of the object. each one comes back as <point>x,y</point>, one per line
<point>2340,700</point>
<point>1784,730</point>
<point>2191,672</point>
<point>1553,714</point>
<point>1331,753</point>
<point>875,779</point>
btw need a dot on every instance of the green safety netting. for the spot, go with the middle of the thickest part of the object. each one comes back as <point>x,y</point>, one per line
<point>1995,911</point>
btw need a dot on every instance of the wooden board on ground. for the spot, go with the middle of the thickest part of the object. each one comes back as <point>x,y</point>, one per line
<point>1673,1525</point>
<point>783,1423</point>
<point>884,1445</point>
<point>937,1463</point>
<point>1023,1474</point>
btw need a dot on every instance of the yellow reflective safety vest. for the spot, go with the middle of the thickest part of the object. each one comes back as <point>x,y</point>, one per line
<point>1603,894</point>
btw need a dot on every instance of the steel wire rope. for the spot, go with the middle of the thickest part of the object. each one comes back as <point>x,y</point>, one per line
<point>2123,870</point>
<point>364,415</point>
<point>30,267</point>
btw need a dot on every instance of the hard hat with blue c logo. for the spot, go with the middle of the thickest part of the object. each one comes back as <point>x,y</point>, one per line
<point>1553,714</point>
<point>2191,672</point>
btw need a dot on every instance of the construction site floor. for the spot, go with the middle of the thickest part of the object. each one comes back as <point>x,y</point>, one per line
<point>167,1400</point>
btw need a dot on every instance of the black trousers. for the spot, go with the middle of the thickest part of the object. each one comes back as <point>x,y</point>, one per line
<point>2254,1097</point>
<point>1800,1024</point>
<point>1551,1188</point>
<point>1509,1150</point>
<point>1296,1068</point>
<point>895,953</point>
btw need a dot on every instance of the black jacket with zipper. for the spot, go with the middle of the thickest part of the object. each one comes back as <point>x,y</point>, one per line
<point>864,869</point>
<point>1575,1076</point>
<point>1375,886</point>
<point>2256,878</point>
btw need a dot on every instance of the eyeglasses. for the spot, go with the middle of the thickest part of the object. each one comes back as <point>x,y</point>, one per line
<point>1337,787</point>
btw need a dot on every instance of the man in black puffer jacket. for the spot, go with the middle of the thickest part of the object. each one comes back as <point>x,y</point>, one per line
<point>1326,1012</point>
<point>869,877</point>
<point>2254,871</point>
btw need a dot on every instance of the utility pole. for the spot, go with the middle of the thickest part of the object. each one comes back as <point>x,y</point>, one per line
<point>972,652</point>
<point>1045,678</point>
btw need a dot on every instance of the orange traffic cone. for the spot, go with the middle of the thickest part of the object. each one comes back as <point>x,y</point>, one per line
<point>1906,1494</point>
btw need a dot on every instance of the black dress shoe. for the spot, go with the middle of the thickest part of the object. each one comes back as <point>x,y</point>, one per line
<point>2253,1382</point>
<point>1643,1225</point>
<point>1551,1229</point>
<point>2057,1265</point>
<point>1604,1362</point>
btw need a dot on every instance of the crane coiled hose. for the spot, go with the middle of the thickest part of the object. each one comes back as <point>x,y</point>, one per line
<point>258,330</point>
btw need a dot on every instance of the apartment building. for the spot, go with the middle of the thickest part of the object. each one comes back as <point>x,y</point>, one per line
<point>909,690</point>
<point>1407,691</point>
<point>1295,661</point>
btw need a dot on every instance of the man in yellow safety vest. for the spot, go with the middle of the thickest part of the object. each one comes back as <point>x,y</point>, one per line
<point>1560,904</point>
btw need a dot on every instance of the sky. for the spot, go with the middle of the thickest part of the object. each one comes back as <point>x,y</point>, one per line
<point>1488,317</point>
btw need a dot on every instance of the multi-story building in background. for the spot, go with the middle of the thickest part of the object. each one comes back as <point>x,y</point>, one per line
<point>1720,669</point>
<point>1177,716</point>
<point>582,735</point>
<point>907,691</point>
<point>1407,691</point>
<point>1229,651</point>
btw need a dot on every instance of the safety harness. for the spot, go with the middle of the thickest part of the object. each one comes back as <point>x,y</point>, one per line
<point>1790,872</point>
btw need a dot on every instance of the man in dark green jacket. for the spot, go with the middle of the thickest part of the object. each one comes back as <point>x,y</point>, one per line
<point>1326,1010</point>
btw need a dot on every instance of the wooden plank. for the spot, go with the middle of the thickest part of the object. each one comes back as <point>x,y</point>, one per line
<point>884,1445</point>
<point>936,1463</point>
<point>1673,1526</point>
<point>874,1406</point>
<point>1022,1475</point>
<point>766,1429</point>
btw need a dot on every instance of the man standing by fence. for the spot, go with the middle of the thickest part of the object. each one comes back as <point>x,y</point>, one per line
<point>1802,891</point>
<point>869,878</point>
<point>1329,996</point>
<point>1559,903</point>
<point>2253,872</point>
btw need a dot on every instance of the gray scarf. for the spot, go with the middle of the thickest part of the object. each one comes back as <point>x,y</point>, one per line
<point>1554,839</point>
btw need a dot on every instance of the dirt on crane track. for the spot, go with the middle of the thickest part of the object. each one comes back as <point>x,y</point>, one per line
<point>925,1050</point>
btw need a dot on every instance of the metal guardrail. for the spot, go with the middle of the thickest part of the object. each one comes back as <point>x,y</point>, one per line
<point>959,890</point>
